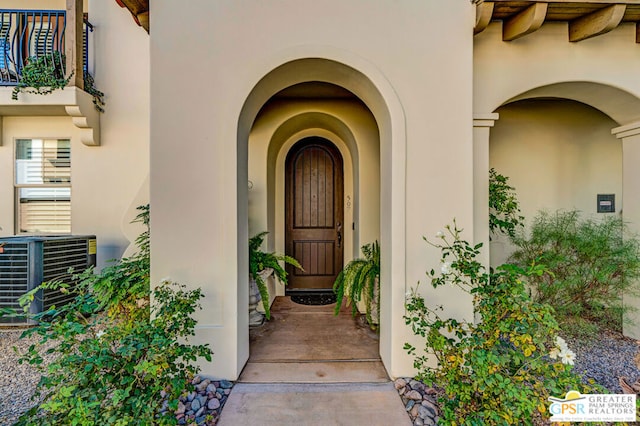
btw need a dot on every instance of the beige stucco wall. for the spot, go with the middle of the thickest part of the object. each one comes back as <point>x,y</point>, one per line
<point>418,92</point>
<point>112,179</point>
<point>559,155</point>
<point>34,4</point>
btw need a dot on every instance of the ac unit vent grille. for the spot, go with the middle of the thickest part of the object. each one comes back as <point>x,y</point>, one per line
<point>59,258</point>
<point>26,262</point>
<point>14,271</point>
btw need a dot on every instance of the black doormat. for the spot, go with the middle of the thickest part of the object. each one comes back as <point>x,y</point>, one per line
<point>314,299</point>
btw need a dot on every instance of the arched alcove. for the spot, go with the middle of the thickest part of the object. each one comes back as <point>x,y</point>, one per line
<point>371,89</point>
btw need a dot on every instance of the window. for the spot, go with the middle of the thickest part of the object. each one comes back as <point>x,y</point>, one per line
<point>43,186</point>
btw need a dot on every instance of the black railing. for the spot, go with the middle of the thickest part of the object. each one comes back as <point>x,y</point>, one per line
<point>27,34</point>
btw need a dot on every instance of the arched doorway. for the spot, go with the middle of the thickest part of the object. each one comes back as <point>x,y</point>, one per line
<point>314,219</point>
<point>371,90</point>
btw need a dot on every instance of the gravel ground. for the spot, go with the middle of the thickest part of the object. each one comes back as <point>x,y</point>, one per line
<point>17,381</point>
<point>604,359</point>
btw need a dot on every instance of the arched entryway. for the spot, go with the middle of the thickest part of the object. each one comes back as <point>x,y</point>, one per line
<point>317,98</point>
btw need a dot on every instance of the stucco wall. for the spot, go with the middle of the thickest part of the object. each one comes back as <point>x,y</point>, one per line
<point>111,179</point>
<point>419,93</point>
<point>504,70</point>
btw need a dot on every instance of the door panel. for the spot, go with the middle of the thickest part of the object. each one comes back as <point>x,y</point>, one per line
<point>314,213</point>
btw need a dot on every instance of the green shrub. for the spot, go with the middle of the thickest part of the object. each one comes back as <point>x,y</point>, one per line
<point>118,368</point>
<point>502,368</point>
<point>504,208</point>
<point>592,266</point>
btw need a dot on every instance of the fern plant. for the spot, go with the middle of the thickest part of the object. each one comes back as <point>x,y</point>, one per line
<point>260,260</point>
<point>359,280</point>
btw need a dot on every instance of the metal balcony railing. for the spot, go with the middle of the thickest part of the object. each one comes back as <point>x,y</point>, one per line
<point>28,34</point>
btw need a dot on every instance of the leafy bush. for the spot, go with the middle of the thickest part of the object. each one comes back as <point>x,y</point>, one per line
<point>119,368</point>
<point>359,280</point>
<point>591,264</point>
<point>504,208</point>
<point>501,369</point>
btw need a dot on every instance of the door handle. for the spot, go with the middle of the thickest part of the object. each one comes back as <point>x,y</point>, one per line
<point>339,234</point>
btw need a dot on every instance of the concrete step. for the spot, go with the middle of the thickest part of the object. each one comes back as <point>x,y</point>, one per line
<point>326,371</point>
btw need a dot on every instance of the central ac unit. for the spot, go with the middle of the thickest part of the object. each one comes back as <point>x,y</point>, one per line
<point>28,261</point>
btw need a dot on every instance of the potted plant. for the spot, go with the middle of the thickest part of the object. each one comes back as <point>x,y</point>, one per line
<point>360,281</point>
<point>263,265</point>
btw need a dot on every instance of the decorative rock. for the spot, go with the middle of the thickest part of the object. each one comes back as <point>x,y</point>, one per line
<point>218,395</point>
<point>202,385</point>
<point>196,380</point>
<point>224,384</point>
<point>227,391</point>
<point>414,410</point>
<point>181,408</point>
<point>191,396</point>
<point>211,387</point>
<point>199,412</point>
<point>431,406</point>
<point>425,412</point>
<point>418,422</point>
<point>195,404</point>
<point>410,405</point>
<point>414,395</point>
<point>213,404</point>
<point>430,422</point>
<point>399,383</point>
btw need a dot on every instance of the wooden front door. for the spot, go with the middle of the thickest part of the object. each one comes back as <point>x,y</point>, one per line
<point>314,213</point>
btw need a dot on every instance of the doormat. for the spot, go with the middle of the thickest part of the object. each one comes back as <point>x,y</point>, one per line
<point>314,299</point>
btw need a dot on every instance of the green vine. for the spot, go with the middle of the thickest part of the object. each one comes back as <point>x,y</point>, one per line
<point>41,75</point>
<point>98,96</point>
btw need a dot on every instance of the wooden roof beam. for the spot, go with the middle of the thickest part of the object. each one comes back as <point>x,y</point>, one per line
<point>594,24</point>
<point>484,11</point>
<point>525,22</point>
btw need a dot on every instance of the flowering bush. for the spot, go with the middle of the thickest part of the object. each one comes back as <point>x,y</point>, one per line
<point>502,368</point>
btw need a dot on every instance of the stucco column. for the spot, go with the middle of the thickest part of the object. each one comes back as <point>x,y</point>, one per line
<point>630,136</point>
<point>482,124</point>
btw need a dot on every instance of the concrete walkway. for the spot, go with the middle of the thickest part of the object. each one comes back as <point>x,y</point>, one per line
<point>352,404</point>
<point>309,367</point>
